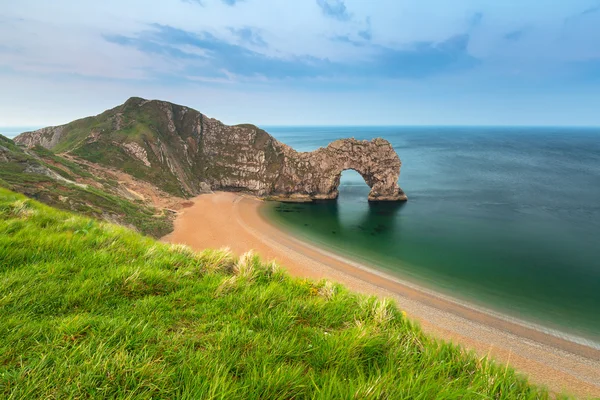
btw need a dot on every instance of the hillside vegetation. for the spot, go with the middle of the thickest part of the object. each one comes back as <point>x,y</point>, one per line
<point>65,184</point>
<point>155,141</point>
<point>93,310</point>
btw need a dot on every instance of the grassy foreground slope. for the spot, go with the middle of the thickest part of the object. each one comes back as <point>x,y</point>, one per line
<point>93,310</point>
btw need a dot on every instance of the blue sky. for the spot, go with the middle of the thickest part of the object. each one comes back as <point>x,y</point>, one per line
<point>306,62</point>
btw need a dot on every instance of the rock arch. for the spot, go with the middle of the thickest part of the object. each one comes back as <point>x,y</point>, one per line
<point>316,175</point>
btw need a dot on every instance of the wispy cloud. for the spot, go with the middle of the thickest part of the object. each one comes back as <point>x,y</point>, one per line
<point>232,2</point>
<point>249,35</point>
<point>366,33</point>
<point>207,55</point>
<point>424,59</point>
<point>591,10</point>
<point>582,14</point>
<point>334,9</point>
<point>347,39</point>
<point>201,2</point>
<point>299,54</point>
<point>515,35</point>
<point>358,39</point>
<point>475,20</point>
<point>211,56</point>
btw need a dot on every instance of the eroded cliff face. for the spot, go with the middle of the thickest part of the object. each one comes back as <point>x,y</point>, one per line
<point>45,137</point>
<point>186,153</point>
<point>316,175</point>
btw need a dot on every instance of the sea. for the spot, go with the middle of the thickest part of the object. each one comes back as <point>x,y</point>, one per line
<point>504,219</point>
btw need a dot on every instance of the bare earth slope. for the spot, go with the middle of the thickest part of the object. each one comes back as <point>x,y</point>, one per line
<point>73,184</point>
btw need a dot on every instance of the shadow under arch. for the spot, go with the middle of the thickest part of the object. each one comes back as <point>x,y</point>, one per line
<point>353,192</point>
<point>349,211</point>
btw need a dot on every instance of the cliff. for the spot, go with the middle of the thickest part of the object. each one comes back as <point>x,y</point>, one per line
<point>184,153</point>
<point>87,189</point>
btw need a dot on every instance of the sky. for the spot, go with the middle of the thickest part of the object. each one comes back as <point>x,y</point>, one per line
<point>305,62</point>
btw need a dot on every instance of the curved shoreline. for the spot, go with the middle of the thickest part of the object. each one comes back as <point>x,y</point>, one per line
<point>233,220</point>
<point>575,344</point>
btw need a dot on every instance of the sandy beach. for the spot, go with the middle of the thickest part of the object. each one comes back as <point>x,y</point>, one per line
<point>232,220</point>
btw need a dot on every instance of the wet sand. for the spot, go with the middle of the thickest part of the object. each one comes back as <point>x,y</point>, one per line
<point>231,220</point>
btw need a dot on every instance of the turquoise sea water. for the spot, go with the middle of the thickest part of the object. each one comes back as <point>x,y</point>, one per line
<point>506,218</point>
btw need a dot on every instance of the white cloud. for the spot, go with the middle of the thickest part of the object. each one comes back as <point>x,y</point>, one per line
<point>54,57</point>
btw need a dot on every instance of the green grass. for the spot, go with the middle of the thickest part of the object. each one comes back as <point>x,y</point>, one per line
<point>78,131</point>
<point>70,165</point>
<point>16,174</point>
<point>93,310</point>
<point>8,143</point>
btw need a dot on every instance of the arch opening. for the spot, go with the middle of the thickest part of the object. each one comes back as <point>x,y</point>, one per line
<point>352,186</point>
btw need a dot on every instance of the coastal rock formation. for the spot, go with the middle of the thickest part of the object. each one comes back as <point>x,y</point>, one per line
<point>186,153</point>
<point>316,174</point>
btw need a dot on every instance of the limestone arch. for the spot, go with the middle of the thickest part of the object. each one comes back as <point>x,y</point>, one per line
<point>375,161</point>
<point>316,175</point>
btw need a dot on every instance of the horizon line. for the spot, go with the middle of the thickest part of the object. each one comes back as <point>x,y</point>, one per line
<point>424,126</point>
<point>37,126</point>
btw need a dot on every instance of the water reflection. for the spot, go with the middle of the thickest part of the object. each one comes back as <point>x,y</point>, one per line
<point>383,218</point>
<point>349,214</point>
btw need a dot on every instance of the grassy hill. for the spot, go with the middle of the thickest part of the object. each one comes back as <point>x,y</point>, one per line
<point>65,184</point>
<point>145,125</point>
<point>93,310</point>
<point>174,147</point>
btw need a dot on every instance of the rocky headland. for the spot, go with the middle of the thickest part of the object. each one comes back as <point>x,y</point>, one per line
<point>185,153</point>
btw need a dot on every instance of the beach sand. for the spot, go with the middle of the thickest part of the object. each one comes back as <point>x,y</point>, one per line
<point>232,220</point>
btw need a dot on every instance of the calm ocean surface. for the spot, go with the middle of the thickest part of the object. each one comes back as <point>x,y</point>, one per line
<point>505,218</point>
